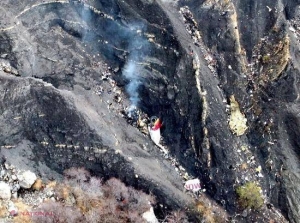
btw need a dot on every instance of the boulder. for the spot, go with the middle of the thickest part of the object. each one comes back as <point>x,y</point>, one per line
<point>26,179</point>
<point>5,192</point>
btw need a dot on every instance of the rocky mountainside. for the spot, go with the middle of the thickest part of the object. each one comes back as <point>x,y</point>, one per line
<point>79,80</point>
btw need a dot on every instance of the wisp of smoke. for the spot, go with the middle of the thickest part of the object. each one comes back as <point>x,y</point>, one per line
<point>130,72</point>
<point>138,48</point>
<point>128,37</point>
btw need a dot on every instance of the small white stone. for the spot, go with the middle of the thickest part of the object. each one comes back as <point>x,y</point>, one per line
<point>181,168</point>
<point>49,193</point>
<point>260,175</point>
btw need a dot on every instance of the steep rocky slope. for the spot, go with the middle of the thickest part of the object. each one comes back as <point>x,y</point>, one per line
<point>223,76</point>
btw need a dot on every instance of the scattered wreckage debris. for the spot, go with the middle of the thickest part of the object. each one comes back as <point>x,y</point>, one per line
<point>154,131</point>
<point>151,127</point>
<point>142,124</point>
<point>193,185</point>
<point>131,114</point>
<point>140,120</point>
<point>192,29</point>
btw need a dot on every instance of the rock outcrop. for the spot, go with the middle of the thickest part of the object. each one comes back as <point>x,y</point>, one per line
<point>26,179</point>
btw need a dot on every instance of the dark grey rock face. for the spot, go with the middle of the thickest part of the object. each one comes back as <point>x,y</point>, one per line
<point>244,35</point>
<point>62,110</point>
<point>179,60</point>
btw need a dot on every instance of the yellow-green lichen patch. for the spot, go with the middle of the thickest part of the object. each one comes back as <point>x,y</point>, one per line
<point>237,121</point>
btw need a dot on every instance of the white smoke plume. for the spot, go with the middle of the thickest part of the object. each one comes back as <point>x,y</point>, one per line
<point>139,50</point>
<point>126,36</point>
<point>130,72</point>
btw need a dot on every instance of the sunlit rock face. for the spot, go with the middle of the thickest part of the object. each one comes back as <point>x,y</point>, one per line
<point>70,70</point>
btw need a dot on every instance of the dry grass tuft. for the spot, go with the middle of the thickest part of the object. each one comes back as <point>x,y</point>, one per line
<point>244,166</point>
<point>38,185</point>
<point>3,210</point>
<point>207,214</point>
<point>51,184</point>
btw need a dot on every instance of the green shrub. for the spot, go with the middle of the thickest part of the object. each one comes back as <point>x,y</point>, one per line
<point>266,58</point>
<point>249,195</point>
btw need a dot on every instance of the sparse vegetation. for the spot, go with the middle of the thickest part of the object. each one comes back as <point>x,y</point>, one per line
<point>177,217</point>
<point>244,166</point>
<point>275,57</point>
<point>226,3</point>
<point>249,195</point>
<point>38,185</point>
<point>22,209</point>
<point>265,59</point>
<point>84,198</point>
<point>207,214</point>
<point>3,210</point>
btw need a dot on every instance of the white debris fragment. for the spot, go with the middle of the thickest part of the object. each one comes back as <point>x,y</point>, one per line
<point>260,175</point>
<point>193,185</point>
<point>292,29</point>
<point>118,151</point>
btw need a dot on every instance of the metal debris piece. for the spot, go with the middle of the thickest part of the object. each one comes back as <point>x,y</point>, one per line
<point>193,185</point>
